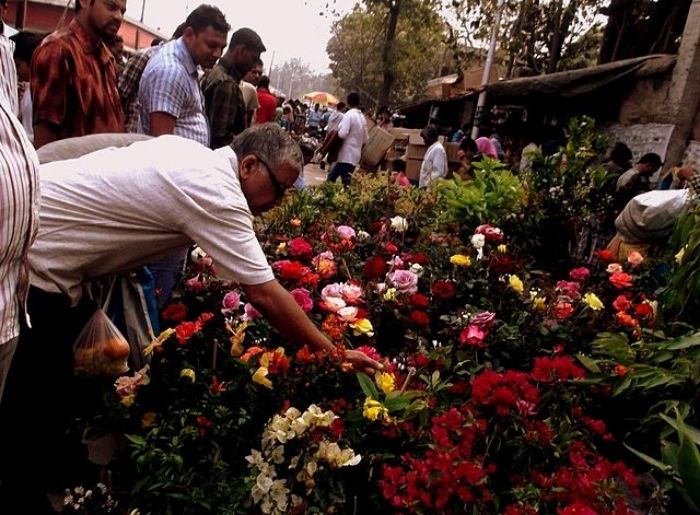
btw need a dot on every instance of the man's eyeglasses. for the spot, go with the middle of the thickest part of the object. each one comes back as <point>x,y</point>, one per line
<point>280,189</point>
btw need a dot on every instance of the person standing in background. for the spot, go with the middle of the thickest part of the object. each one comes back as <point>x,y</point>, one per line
<point>26,44</point>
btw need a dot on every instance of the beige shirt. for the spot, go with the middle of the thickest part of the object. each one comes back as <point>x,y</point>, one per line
<point>117,209</point>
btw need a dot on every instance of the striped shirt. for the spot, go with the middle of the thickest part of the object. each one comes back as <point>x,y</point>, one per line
<point>19,204</point>
<point>169,85</point>
<point>129,81</point>
<point>8,74</point>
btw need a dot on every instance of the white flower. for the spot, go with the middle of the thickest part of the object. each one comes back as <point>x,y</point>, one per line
<point>399,224</point>
<point>417,269</point>
<point>197,254</point>
<point>362,236</point>
<point>478,241</point>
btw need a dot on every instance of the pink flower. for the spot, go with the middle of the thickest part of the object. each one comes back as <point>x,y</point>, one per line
<point>492,234</point>
<point>231,303</point>
<point>195,284</point>
<point>634,258</point>
<point>302,296</point>
<point>404,281</point>
<point>351,293</point>
<point>348,314</point>
<point>346,232</point>
<point>563,310</point>
<point>250,313</point>
<point>331,304</point>
<point>484,320</point>
<point>325,265</point>
<point>579,274</point>
<point>614,267</point>
<point>332,290</point>
<point>472,335</point>
<point>569,289</point>
<point>620,280</point>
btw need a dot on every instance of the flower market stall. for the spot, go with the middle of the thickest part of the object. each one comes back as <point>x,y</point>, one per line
<point>507,387</point>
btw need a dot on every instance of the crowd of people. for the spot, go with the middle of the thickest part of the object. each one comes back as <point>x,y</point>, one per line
<point>136,166</point>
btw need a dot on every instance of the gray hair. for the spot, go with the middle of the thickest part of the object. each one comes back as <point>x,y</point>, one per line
<point>271,143</point>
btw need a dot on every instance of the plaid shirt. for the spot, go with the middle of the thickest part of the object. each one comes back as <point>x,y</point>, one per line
<point>129,82</point>
<point>224,104</point>
<point>74,84</point>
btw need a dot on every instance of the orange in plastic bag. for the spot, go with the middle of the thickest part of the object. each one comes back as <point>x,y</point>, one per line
<point>100,348</point>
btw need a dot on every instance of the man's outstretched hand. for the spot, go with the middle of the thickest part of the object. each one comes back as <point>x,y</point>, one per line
<point>360,362</point>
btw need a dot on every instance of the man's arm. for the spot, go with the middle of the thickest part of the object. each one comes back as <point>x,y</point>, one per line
<point>161,123</point>
<point>44,133</point>
<point>49,85</point>
<point>278,306</point>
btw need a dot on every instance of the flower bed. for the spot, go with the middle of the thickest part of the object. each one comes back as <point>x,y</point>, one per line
<point>498,395</point>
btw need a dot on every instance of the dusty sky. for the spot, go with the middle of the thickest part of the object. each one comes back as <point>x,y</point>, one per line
<point>289,28</point>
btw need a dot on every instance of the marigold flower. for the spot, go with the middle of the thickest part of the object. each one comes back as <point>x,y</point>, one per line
<point>386,382</point>
<point>516,284</point>
<point>460,260</point>
<point>593,302</point>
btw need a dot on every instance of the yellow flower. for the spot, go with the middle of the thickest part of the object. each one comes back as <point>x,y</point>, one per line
<point>680,255</point>
<point>539,303</point>
<point>260,377</point>
<point>158,341</point>
<point>362,326</point>
<point>387,382</point>
<point>516,284</point>
<point>502,248</point>
<point>128,400</point>
<point>593,302</point>
<point>237,339</point>
<point>390,295</point>
<point>374,410</point>
<point>460,260</point>
<point>188,373</point>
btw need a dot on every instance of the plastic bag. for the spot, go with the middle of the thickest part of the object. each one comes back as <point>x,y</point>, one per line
<point>100,348</point>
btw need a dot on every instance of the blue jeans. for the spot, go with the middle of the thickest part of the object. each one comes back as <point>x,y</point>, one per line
<point>342,170</point>
<point>166,273</point>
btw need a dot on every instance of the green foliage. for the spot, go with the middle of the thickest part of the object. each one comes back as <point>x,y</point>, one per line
<point>682,297</point>
<point>493,195</point>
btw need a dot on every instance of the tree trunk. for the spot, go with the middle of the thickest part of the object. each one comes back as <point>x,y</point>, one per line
<point>388,54</point>
<point>517,35</point>
<point>614,29</point>
<point>560,33</point>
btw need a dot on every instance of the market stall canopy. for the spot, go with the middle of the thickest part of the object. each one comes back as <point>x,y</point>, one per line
<point>574,83</point>
<point>321,97</point>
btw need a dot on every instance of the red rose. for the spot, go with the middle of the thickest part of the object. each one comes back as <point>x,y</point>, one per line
<point>620,280</point>
<point>205,317</point>
<point>185,330</point>
<point>289,270</point>
<point>501,264</point>
<point>420,318</point>
<point>563,310</point>
<point>644,310</point>
<point>621,303</point>
<point>443,290</point>
<point>175,312</point>
<point>375,268</point>
<point>418,300</point>
<point>299,247</point>
<point>606,256</point>
<point>391,248</point>
<point>420,258</point>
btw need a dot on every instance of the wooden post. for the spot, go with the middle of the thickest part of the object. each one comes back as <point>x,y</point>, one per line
<point>21,15</point>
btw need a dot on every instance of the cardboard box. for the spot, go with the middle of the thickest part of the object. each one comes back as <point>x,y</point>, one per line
<point>413,168</point>
<point>415,151</point>
<point>376,147</point>
<point>451,150</point>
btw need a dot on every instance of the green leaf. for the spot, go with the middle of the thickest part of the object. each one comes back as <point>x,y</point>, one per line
<point>367,385</point>
<point>622,385</point>
<point>689,463</point>
<point>587,362</point>
<point>651,461</point>
<point>684,342</point>
<point>137,440</point>
<point>396,404</point>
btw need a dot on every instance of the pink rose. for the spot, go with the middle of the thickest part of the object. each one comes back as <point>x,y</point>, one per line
<point>563,310</point>
<point>303,297</point>
<point>231,303</point>
<point>472,335</point>
<point>569,289</point>
<point>346,232</point>
<point>195,284</point>
<point>331,304</point>
<point>613,267</point>
<point>404,281</point>
<point>634,258</point>
<point>348,314</point>
<point>332,290</point>
<point>250,313</point>
<point>484,320</point>
<point>351,293</point>
<point>579,274</point>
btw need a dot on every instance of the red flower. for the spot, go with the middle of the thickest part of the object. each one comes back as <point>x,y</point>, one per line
<point>216,385</point>
<point>578,509</point>
<point>420,301</point>
<point>299,247</point>
<point>563,310</point>
<point>621,370</point>
<point>370,352</point>
<point>620,280</point>
<point>304,355</point>
<point>204,425</point>
<point>562,368</point>
<point>443,290</point>
<point>606,256</point>
<point>391,248</point>
<point>185,330</point>
<point>175,312</point>
<point>420,318</point>
<point>621,303</point>
<point>579,274</point>
<point>290,270</point>
<point>626,320</point>
<point>205,317</point>
<point>472,335</point>
<point>419,258</point>
<point>502,264</point>
<point>644,310</point>
<point>375,268</point>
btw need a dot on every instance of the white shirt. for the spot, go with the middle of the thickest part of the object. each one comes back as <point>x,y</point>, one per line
<point>434,165</point>
<point>25,113</point>
<point>250,96</point>
<point>334,121</point>
<point>353,131</point>
<point>117,209</point>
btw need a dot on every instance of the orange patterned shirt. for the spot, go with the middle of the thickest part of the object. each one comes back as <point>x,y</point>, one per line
<point>74,84</point>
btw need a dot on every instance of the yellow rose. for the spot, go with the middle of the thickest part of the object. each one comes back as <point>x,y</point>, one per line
<point>387,382</point>
<point>237,339</point>
<point>260,377</point>
<point>374,410</point>
<point>502,248</point>
<point>460,260</point>
<point>539,303</point>
<point>128,400</point>
<point>188,373</point>
<point>362,326</point>
<point>390,295</point>
<point>516,284</point>
<point>593,302</point>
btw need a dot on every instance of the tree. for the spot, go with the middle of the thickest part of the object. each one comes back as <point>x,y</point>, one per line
<point>295,77</point>
<point>387,49</point>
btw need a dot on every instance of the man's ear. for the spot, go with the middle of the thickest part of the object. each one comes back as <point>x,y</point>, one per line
<point>247,167</point>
